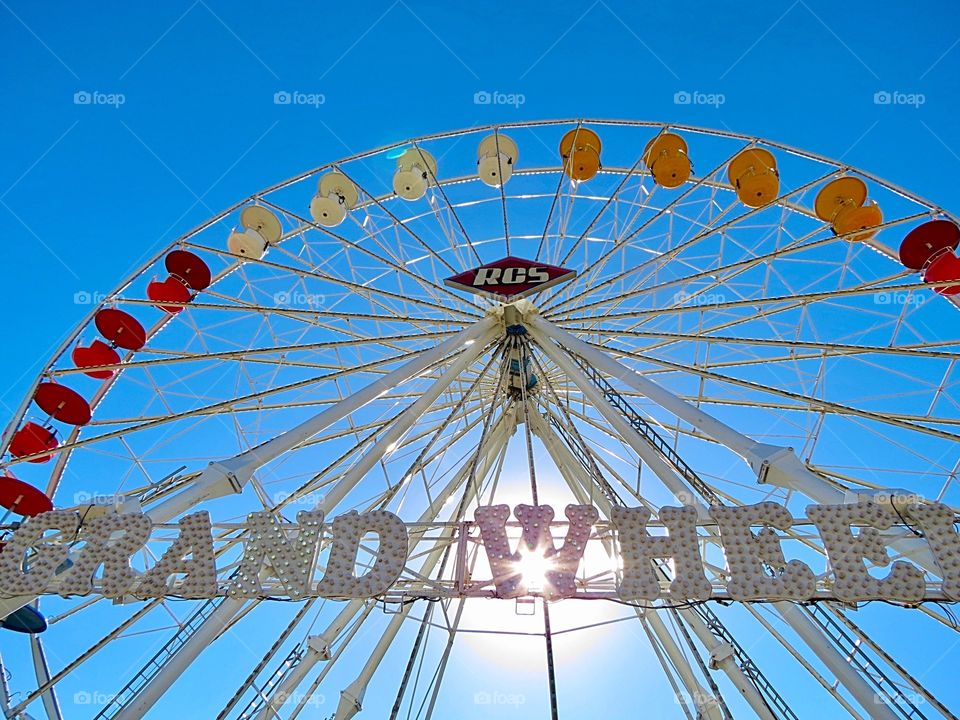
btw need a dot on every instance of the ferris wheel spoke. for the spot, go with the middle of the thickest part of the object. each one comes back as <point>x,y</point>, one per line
<point>362,441</point>
<point>614,196</point>
<point>800,359</point>
<point>304,315</point>
<point>397,223</point>
<point>503,197</point>
<point>553,203</point>
<point>803,244</point>
<point>361,290</point>
<point>833,349</point>
<point>795,300</point>
<point>458,410</point>
<point>172,357</point>
<point>221,405</point>
<point>673,252</point>
<point>433,288</point>
<point>818,403</point>
<point>326,477</point>
<point>760,314</point>
<point>595,266</point>
<point>672,213</point>
<point>388,441</point>
<point>453,213</point>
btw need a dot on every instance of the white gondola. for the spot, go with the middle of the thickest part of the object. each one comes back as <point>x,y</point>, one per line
<point>261,229</point>
<point>416,171</point>
<point>336,196</point>
<point>497,159</point>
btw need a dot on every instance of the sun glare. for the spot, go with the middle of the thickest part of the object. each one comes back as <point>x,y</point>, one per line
<point>533,567</point>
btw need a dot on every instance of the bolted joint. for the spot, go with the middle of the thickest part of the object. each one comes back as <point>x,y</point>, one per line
<point>720,653</point>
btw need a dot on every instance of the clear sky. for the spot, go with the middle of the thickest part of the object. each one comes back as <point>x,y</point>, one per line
<point>125,125</point>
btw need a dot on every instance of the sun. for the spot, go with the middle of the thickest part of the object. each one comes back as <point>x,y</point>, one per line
<point>533,567</point>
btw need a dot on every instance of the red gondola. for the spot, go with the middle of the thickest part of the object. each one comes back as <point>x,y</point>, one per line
<point>62,403</point>
<point>99,353</point>
<point>189,269</point>
<point>31,439</point>
<point>169,290</point>
<point>926,241</point>
<point>121,329</point>
<point>22,498</point>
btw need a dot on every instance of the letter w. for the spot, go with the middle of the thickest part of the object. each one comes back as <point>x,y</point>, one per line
<point>560,566</point>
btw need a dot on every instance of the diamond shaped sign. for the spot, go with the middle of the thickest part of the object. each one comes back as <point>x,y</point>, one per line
<point>511,277</point>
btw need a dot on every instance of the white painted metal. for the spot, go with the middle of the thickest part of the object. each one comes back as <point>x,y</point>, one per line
<point>319,645</point>
<point>50,703</point>
<point>775,465</point>
<point>842,670</point>
<point>579,480</point>
<point>231,476</point>
<point>384,223</point>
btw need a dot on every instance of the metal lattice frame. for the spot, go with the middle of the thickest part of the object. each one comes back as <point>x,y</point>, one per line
<point>699,334</point>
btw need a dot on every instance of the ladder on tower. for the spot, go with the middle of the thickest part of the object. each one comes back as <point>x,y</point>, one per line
<point>155,664</point>
<point>775,702</point>
<point>264,694</point>
<point>647,432</point>
<point>888,691</point>
<point>857,656</point>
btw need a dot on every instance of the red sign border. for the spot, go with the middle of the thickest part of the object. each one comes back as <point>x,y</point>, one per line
<point>565,274</point>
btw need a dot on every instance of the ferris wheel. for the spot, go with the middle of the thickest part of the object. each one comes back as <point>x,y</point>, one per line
<point>602,313</point>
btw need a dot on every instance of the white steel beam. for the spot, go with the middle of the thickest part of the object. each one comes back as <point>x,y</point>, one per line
<point>231,476</point>
<point>319,645</point>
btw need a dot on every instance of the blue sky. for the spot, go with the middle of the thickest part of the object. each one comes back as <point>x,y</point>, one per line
<point>89,190</point>
<point>126,125</point>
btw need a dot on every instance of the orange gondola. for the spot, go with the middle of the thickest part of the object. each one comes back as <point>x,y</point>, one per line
<point>666,158</point>
<point>753,173</point>
<point>580,149</point>
<point>843,203</point>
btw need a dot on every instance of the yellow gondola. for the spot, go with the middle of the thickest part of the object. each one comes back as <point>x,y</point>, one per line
<point>843,203</point>
<point>753,173</point>
<point>580,150</point>
<point>666,158</point>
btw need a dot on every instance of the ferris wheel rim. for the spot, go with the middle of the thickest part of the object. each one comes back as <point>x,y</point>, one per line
<point>85,322</point>
<point>184,241</point>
